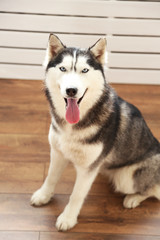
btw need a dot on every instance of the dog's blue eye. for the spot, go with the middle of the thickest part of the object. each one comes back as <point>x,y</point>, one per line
<point>85,70</point>
<point>63,69</point>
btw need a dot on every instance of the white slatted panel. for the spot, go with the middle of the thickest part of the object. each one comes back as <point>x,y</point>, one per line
<point>23,56</point>
<point>132,29</point>
<point>15,71</point>
<point>116,60</point>
<point>66,24</point>
<point>134,44</point>
<point>127,9</point>
<point>114,43</point>
<point>130,60</point>
<point>136,76</point>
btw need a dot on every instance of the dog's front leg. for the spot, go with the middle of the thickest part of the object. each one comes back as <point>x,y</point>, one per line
<point>82,185</point>
<point>45,193</point>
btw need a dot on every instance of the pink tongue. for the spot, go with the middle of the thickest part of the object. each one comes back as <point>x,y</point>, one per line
<point>72,111</point>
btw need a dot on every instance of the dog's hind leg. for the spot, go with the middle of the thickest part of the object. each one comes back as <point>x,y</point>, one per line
<point>134,200</point>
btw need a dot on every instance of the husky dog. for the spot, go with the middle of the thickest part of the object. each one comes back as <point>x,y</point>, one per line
<point>96,130</point>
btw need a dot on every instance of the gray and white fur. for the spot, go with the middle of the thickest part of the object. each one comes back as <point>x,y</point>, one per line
<point>109,135</point>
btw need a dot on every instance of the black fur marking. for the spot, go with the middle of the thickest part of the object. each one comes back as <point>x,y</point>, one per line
<point>132,145</point>
<point>138,172</point>
<point>55,128</point>
<point>95,64</point>
<point>60,121</point>
<point>91,60</point>
<point>147,176</point>
<point>149,153</point>
<point>94,115</point>
<point>136,143</point>
<point>59,58</point>
<point>107,134</point>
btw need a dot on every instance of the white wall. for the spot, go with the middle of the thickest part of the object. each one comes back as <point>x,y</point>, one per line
<point>132,29</point>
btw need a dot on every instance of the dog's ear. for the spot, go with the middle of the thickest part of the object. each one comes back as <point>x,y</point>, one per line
<point>99,50</point>
<point>53,48</point>
<point>55,45</point>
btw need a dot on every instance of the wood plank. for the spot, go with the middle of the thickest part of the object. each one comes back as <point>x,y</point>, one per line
<point>146,98</point>
<point>132,60</point>
<point>24,110</point>
<point>95,236</point>
<point>15,119</point>
<point>12,235</point>
<point>26,92</point>
<point>31,106</point>
<point>92,8</point>
<point>18,215</point>
<point>23,107</point>
<point>133,76</point>
<point>99,214</point>
<point>26,148</point>
<point>78,25</point>
<point>20,177</point>
<point>138,93</point>
<point>21,171</point>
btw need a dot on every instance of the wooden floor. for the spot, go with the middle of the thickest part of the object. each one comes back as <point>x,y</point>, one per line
<point>24,160</point>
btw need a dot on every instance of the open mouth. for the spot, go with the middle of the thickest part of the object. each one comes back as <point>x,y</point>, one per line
<point>72,109</point>
<point>79,100</point>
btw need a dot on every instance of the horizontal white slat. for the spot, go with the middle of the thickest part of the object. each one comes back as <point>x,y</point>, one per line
<point>114,43</point>
<point>21,72</point>
<point>122,60</point>
<point>85,8</point>
<point>23,39</point>
<point>79,24</point>
<point>133,44</point>
<point>22,56</point>
<point>39,40</point>
<point>133,76</point>
<point>113,75</point>
<point>118,60</point>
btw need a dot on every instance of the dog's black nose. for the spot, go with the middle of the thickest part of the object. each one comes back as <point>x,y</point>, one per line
<point>71,92</point>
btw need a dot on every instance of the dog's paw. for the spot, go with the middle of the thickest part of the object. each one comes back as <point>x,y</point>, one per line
<point>40,197</point>
<point>131,201</point>
<point>65,223</point>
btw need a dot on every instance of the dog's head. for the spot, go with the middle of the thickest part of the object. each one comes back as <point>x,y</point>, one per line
<point>74,77</point>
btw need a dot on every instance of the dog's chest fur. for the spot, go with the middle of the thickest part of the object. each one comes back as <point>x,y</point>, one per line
<point>70,143</point>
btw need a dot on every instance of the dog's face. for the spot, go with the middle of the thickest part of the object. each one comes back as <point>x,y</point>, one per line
<point>74,77</point>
